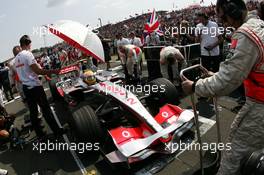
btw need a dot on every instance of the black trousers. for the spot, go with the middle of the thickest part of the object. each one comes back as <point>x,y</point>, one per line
<point>8,90</point>
<point>211,63</point>
<point>34,97</point>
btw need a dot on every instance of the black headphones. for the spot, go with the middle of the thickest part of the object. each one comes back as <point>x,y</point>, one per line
<point>232,10</point>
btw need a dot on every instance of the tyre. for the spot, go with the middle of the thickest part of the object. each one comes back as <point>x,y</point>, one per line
<point>86,125</point>
<point>253,163</point>
<point>162,92</point>
<point>53,90</point>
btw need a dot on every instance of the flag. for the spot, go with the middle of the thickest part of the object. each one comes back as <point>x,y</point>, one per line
<point>153,24</point>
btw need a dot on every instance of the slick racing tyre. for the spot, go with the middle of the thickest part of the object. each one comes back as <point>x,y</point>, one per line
<point>86,126</point>
<point>253,164</point>
<point>166,94</point>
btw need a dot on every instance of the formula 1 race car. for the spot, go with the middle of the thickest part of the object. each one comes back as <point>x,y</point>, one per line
<point>129,126</point>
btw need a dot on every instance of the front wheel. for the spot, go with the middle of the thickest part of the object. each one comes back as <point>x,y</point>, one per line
<point>162,92</point>
<point>86,125</point>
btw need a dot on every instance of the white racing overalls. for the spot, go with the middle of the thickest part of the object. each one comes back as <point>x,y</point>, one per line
<point>178,57</point>
<point>131,57</point>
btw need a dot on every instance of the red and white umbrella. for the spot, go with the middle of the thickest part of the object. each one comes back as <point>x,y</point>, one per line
<point>78,36</point>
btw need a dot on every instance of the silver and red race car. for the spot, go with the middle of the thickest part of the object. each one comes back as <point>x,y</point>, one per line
<point>128,126</point>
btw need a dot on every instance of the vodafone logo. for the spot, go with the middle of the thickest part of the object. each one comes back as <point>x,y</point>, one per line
<point>126,134</point>
<point>165,114</point>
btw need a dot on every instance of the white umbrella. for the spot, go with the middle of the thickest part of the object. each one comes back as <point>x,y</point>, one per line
<point>78,36</point>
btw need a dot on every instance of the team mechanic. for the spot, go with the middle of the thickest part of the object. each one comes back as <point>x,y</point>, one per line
<point>28,71</point>
<point>170,56</point>
<point>245,63</point>
<point>131,57</point>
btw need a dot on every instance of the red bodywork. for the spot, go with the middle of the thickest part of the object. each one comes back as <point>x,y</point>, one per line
<point>65,70</point>
<point>68,69</point>
<point>168,114</point>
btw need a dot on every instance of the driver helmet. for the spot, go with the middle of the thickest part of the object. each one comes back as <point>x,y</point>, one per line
<point>89,77</point>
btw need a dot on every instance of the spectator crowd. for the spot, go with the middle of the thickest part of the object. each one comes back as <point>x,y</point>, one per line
<point>129,31</point>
